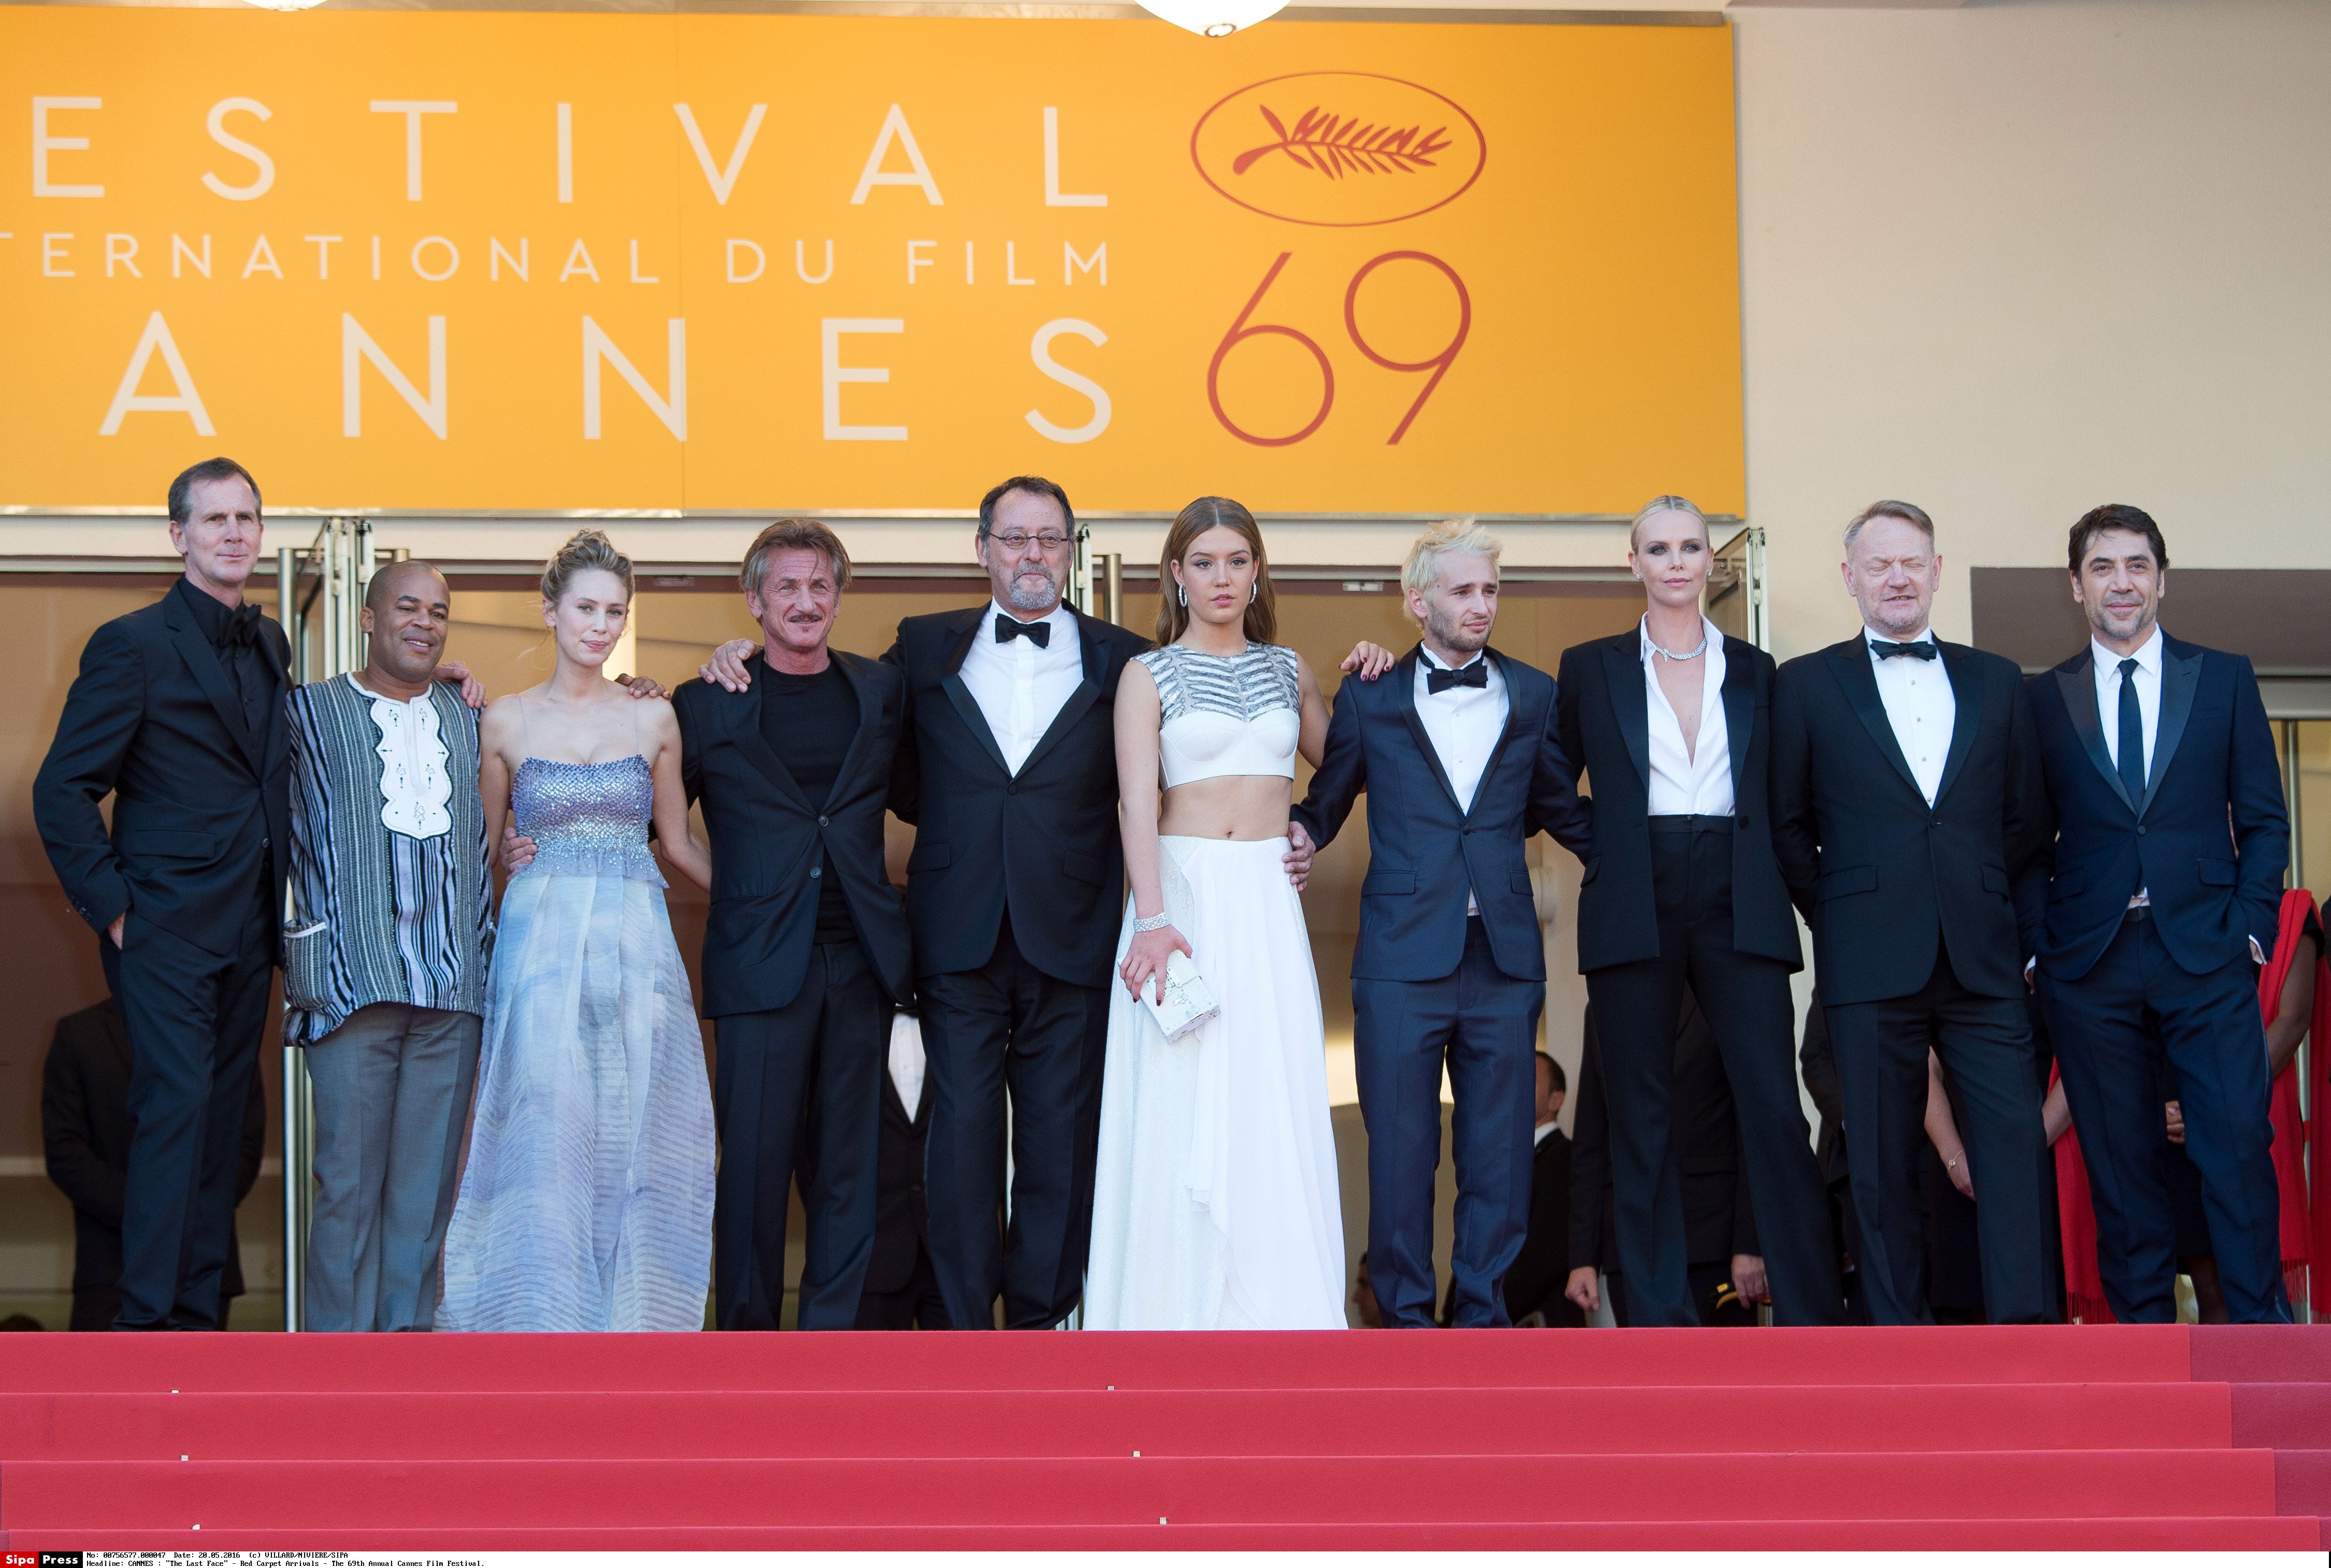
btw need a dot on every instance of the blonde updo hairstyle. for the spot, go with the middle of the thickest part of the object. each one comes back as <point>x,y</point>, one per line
<point>1205,513</point>
<point>588,551</point>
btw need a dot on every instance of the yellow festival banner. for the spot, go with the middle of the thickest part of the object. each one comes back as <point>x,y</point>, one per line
<point>475,262</point>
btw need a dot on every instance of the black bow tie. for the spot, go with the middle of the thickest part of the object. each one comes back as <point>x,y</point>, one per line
<point>1476,674</point>
<point>241,629</point>
<point>1922,649</point>
<point>1040,632</point>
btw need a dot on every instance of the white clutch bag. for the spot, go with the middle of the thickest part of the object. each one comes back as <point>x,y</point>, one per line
<point>1188,1005</point>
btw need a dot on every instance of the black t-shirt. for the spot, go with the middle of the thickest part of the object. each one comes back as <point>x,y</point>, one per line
<point>809,721</point>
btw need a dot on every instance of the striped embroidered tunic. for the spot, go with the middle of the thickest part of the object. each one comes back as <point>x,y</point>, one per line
<point>391,900</point>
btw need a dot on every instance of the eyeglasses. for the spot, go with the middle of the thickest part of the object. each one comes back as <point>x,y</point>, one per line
<point>1018,542</point>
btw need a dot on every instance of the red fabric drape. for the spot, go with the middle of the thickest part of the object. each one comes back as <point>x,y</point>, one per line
<point>2300,1236</point>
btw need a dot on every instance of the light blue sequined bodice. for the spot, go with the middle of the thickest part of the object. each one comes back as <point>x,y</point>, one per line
<point>587,819</point>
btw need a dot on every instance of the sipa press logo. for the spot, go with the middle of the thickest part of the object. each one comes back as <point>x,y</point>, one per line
<point>40,1560</point>
<point>1338,148</point>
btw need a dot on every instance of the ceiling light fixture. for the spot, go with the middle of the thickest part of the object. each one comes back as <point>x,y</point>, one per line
<point>1213,18</point>
<point>285,4</point>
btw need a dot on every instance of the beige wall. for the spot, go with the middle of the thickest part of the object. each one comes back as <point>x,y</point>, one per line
<point>2018,259</point>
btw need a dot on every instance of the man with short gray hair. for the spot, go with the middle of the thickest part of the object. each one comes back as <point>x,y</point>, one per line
<point>1907,798</point>
<point>806,948</point>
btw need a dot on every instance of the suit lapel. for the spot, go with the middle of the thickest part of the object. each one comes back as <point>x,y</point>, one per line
<point>2076,682</point>
<point>2180,676</point>
<point>1850,662</point>
<point>1405,696</point>
<point>1514,725</point>
<point>1966,698</point>
<point>957,693</point>
<point>864,691</point>
<point>1622,667</point>
<point>1087,693</point>
<point>211,674</point>
<point>1739,709</point>
<point>743,709</point>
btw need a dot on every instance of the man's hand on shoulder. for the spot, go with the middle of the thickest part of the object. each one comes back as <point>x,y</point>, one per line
<point>730,666</point>
<point>642,686</point>
<point>473,690</point>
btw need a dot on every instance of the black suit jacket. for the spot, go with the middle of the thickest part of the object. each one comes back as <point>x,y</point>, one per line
<point>1882,876</point>
<point>2207,841</point>
<point>1703,1140</point>
<point>85,1131</point>
<point>1606,730</point>
<point>202,809</point>
<point>902,1219</point>
<point>1043,844</point>
<point>770,841</point>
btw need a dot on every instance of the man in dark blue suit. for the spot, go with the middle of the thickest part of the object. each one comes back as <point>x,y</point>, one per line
<point>1457,751</point>
<point>2160,901</point>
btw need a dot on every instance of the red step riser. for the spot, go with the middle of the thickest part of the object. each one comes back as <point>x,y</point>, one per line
<point>237,1364</point>
<point>2227,1534</point>
<point>659,1493</point>
<point>684,1425</point>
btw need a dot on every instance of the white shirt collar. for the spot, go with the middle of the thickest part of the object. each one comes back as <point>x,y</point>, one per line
<point>1059,613</point>
<point>1425,657</point>
<point>1542,1134</point>
<point>1707,630</point>
<point>1872,635</point>
<point>2148,658</point>
<point>371,696</point>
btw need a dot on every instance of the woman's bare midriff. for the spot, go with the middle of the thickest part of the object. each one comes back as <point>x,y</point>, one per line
<point>1242,806</point>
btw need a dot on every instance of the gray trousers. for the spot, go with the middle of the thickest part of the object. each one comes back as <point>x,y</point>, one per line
<point>392,1086</point>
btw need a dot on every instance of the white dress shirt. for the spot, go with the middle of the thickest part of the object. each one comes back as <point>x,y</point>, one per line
<point>1020,687</point>
<point>1463,724</point>
<point>1695,782</point>
<point>2147,677</point>
<point>1920,706</point>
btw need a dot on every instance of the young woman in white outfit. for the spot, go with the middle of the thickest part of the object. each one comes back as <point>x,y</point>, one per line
<point>1216,1196</point>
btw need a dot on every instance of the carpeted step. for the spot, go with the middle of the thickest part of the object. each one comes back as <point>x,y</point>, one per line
<point>2115,1535</point>
<point>1688,1357</point>
<point>655,1493</point>
<point>2262,1353</point>
<point>2281,1415</point>
<point>680,1424</point>
<point>2302,1478</point>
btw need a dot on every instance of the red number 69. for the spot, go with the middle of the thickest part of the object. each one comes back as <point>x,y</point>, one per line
<point>1438,364</point>
<point>1240,332</point>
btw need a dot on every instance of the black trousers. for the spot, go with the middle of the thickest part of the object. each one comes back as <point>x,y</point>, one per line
<point>1985,1046</point>
<point>1008,1027</point>
<point>1479,1024</point>
<point>800,1086</point>
<point>914,1304</point>
<point>2110,1027</point>
<point>195,1021</point>
<point>1746,998</point>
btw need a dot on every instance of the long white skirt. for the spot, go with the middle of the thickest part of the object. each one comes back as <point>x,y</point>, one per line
<point>1216,1202</point>
<point>586,1202</point>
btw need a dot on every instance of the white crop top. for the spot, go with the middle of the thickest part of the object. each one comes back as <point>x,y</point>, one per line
<point>1226,717</point>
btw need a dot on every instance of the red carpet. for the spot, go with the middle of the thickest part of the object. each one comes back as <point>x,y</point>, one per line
<point>1932,1439</point>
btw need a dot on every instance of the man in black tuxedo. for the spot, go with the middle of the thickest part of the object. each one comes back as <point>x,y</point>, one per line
<point>1535,1283</point>
<point>86,1133</point>
<point>1907,799</point>
<point>177,713</point>
<point>1007,767</point>
<point>805,950</point>
<point>2160,897</point>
